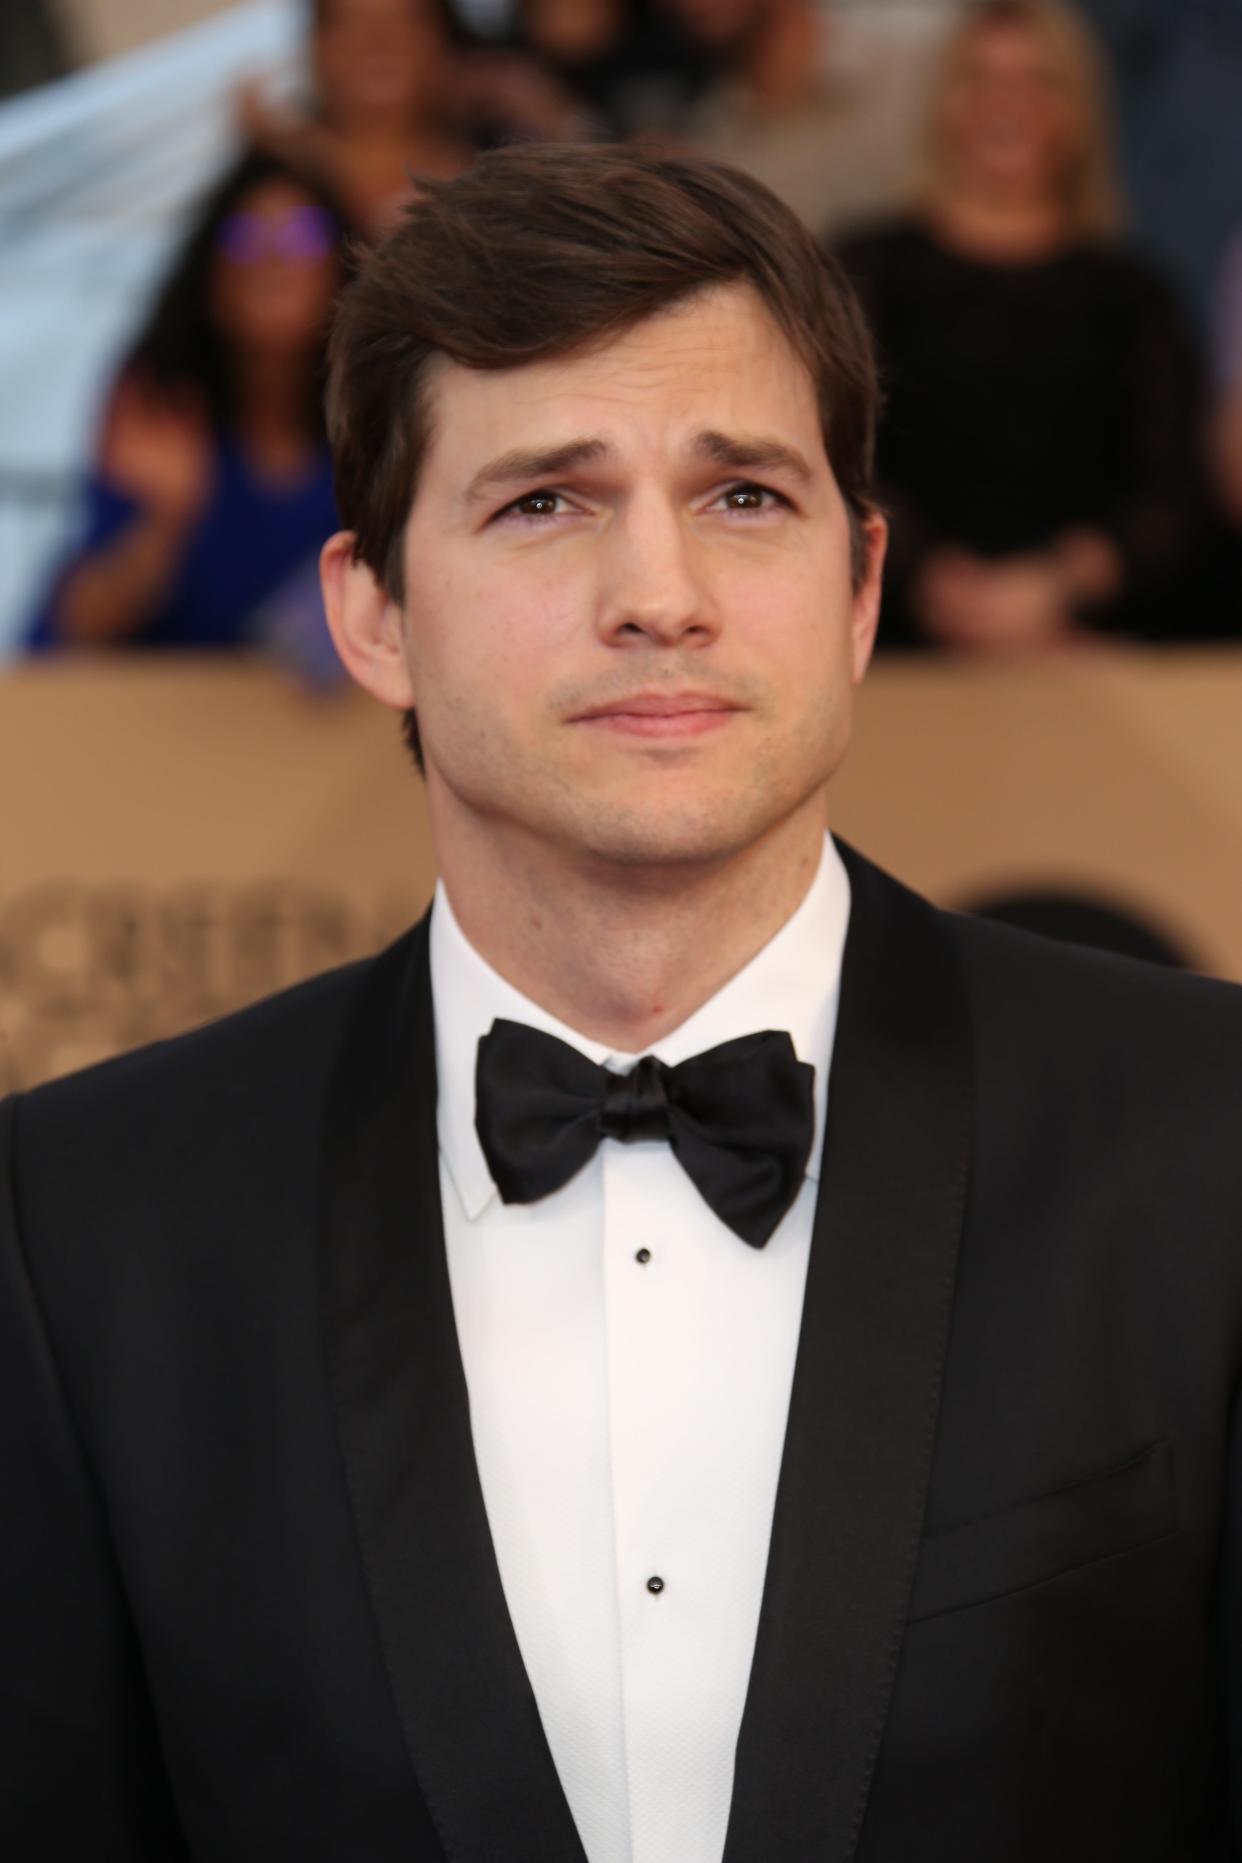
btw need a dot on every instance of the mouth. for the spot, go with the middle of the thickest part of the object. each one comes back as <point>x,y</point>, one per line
<point>661,714</point>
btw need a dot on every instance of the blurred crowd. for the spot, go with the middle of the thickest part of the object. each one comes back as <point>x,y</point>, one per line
<point>1061,447</point>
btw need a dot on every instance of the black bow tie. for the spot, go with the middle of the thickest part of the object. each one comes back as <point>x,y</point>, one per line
<point>740,1118</point>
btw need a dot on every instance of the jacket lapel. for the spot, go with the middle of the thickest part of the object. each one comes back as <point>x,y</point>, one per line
<point>866,1387</point>
<point>465,1704</point>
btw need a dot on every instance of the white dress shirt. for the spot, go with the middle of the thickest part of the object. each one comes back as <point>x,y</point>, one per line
<point>628,1415</point>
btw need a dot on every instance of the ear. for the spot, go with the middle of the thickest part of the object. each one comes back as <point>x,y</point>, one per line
<point>365,623</point>
<point>866,607</point>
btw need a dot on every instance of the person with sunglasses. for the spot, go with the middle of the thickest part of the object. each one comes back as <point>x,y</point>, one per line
<point>212,488</point>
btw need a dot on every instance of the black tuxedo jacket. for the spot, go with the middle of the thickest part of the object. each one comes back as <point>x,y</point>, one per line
<point>249,1606</point>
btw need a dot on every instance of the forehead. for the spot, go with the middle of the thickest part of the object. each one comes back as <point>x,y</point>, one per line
<point>271,199</point>
<point>718,360</point>
<point>1008,43</point>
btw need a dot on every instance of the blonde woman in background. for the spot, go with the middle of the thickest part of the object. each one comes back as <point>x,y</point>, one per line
<point>1038,448</point>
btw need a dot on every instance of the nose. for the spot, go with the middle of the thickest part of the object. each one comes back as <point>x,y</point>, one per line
<point>653,590</point>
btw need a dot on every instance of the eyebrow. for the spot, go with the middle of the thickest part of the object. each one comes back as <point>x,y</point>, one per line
<point>751,452</point>
<point>523,465</point>
<point>739,452</point>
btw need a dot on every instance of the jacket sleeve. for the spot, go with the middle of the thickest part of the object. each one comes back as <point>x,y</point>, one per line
<point>1228,1603</point>
<point>79,1773</point>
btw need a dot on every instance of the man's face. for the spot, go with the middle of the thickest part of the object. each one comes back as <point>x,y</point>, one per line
<point>629,627</point>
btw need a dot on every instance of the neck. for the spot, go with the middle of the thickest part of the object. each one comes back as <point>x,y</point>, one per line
<point>271,400</point>
<point>624,954</point>
<point>992,225</point>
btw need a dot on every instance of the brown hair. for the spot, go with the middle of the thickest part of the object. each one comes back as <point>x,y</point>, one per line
<point>542,251</point>
<point>1091,190</point>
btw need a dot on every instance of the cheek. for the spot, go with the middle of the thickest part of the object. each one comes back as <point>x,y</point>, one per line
<point>493,642</point>
<point>290,297</point>
<point>819,676</point>
<point>1061,133</point>
<point>320,285</point>
<point>797,623</point>
<point>959,121</point>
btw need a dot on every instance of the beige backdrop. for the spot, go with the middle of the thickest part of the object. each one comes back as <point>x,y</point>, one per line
<point>102,28</point>
<point>180,839</point>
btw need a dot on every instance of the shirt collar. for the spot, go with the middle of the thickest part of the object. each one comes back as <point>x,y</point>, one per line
<point>793,983</point>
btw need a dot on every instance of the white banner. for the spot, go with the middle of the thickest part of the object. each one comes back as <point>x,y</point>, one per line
<point>96,174</point>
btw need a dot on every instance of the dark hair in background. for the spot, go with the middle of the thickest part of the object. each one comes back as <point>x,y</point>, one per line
<point>1084,918</point>
<point>547,250</point>
<point>442,13</point>
<point>180,344</point>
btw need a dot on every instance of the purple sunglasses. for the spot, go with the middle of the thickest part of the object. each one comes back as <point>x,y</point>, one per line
<point>302,235</point>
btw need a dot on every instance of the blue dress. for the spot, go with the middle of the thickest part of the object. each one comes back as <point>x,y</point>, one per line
<point>252,538</point>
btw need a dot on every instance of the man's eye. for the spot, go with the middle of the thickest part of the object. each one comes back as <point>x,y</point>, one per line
<point>749,498</point>
<point>534,505</point>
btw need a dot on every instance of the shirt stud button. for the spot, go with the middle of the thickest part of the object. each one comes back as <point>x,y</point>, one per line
<point>643,1256</point>
<point>655,1586</point>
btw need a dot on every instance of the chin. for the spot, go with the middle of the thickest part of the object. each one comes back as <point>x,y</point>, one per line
<point>674,833</point>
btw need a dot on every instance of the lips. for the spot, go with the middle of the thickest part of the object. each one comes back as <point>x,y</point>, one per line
<point>662,714</point>
<point>659,705</point>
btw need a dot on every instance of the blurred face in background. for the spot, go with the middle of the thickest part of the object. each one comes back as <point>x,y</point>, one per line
<point>719,26</point>
<point>377,61</point>
<point>573,32</point>
<point>276,270</point>
<point>1010,120</point>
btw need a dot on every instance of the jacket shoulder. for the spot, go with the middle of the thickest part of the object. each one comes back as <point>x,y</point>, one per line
<point>1086,1006</point>
<point>211,1099</point>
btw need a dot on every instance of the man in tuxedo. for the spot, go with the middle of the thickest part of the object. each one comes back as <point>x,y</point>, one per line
<point>693,1353</point>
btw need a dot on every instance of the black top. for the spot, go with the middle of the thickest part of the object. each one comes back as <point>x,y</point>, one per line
<point>1024,400</point>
